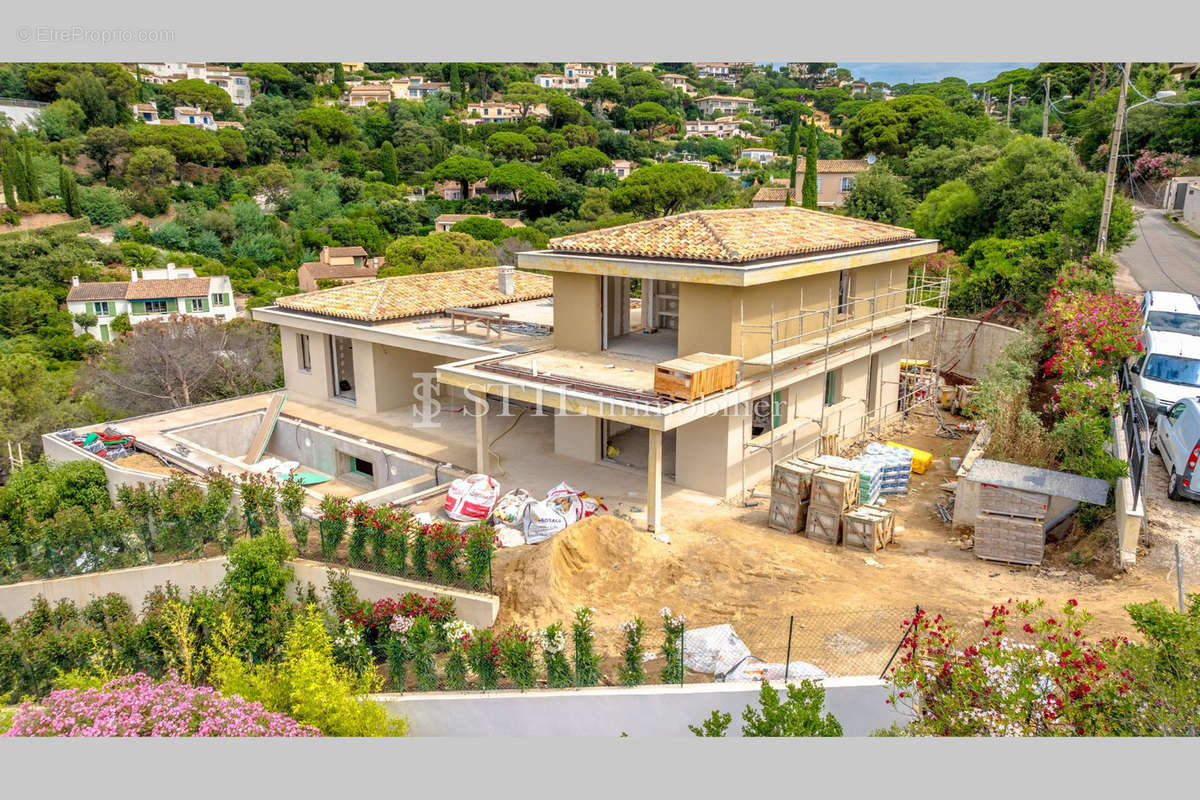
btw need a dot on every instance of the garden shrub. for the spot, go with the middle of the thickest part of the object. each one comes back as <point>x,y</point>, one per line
<point>587,663</point>
<point>291,502</point>
<point>458,633</point>
<point>362,516</point>
<point>331,525</point>
<point>553,642</point>
<point>480,544</point>
<point>445,543</point>
<point>258,502</point>
<point>257,580</point>
<point>483,656</point>
<point>516,656</point>
<point>672,648</point>
<point>798,715</point>
<point>632,672</point>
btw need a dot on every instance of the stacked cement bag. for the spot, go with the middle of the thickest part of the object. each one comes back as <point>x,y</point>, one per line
<point>897,467</point>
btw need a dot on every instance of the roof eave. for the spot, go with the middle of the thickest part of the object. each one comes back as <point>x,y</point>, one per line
<point>748,274</point>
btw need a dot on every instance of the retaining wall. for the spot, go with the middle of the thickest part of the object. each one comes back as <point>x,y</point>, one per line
<point>973,359</point>
<point>15,599</point>
<point>857,702</point>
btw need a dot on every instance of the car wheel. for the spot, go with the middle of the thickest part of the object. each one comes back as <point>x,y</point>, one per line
<point>1153,444</point>
<point>1173,487</point>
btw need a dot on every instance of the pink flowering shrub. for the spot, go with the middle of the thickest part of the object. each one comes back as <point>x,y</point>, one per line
<point>1092,332</point>
<point>1093,396</point>
<point>1157,166</point>
<point>135,705</point>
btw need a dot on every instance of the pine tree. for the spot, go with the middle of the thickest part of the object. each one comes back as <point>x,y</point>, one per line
<point>387,163</point>
<point>32,192</point>
<point>809,196</point>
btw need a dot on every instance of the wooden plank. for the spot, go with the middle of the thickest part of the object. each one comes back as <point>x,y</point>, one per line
<point>868,528</point>
<point>787,515</point>
<point>792,481</point>
<point>835,489</point>
<point>692,377</point>
<point>258,445</point>
<point>822,525</point>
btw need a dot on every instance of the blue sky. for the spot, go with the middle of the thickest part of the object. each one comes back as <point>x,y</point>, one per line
<point>898,72</point>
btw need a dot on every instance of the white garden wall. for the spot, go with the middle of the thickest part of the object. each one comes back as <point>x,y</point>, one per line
<point>857,702</point>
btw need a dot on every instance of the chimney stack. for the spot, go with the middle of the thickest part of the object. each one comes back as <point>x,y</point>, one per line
<point>133,275</point>
<point>505,280</point>
<point>74,280</point>
<point>170,271</point>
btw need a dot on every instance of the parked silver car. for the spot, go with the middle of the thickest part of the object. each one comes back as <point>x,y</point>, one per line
<point>1177,439</point>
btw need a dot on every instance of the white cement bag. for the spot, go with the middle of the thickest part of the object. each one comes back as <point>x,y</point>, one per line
<point>509,537</point>
<point>471,499</point>
<point>542,520</point>
<point>713,650</point>
<point>572,503</point>
<point>755,669</point>
<point>510,510</point>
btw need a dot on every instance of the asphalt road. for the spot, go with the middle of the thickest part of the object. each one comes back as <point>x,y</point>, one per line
<point>1163,257</point>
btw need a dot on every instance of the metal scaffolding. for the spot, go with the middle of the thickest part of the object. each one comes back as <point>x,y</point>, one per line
<point>824,333</point>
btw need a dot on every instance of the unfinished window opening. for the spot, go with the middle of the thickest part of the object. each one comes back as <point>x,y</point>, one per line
<point>833,387</point>
<point>302,346</point>
<point>644,327</point>
<point>362,467</point>
<point>767,414</point>
<point>343,367</point>
<point>844,289</point>
<point>629,446</point>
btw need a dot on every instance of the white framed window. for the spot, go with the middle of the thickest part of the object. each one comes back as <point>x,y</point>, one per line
<point>196,305</point>
<point>220,299</point>
<point>156,306</point>
<point>847,184</point>
<point>302,346</point>
<point>102,309</point>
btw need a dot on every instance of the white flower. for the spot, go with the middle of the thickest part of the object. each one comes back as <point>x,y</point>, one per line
<point>400,625</point>
<point>456,629</point>
<point>552,644</point>
<point>665,612</point>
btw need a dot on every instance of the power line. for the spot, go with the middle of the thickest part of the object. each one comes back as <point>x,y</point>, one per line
<point>1155,100</point>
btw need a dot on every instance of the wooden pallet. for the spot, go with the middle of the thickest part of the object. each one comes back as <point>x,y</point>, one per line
<point>695,376</point>
<point>792,479</point>
<point>1016,540</point>
<point>258,445</point>
<point>787,515</point>
<point>1012,502</point>
<point>868,528</point>
<point>835,489</point>
<point>823,525</point>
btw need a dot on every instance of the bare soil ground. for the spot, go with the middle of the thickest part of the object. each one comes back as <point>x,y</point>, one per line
<point>35,221</point>
<point>725,565</point>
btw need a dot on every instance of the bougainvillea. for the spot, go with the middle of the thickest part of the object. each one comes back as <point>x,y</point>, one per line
<point>1157,166</point>
<point>1093,396</point>
<point>1043,679</point>
<point>1091,332</point>
<point>135,705</point>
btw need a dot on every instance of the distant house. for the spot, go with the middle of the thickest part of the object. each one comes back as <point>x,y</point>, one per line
<point>353,66</point>
<point>835,180</point>
<point>445,222</point>
<point>723,104</point>
<point>580,74</point>
<point>235,83</point>
<point>759,155</point>
<point>550,80</point>
<point>724,71</point>
<point>500,111</point>
<point>620,167</point>
<point>196,117</point>
<point>234,124</point>
<point>673,80</point>
<point>720,128</point>
<point>337,266</point>
<point>452,190</point>
<point>367,93</point>
<point>145,112</point>
<point>156,294</point>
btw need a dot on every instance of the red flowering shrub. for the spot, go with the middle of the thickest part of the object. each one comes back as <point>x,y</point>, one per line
<point>445,542</point>
<point>1046,679</point>
<point>1095,396</point>
<point>1092,332</point>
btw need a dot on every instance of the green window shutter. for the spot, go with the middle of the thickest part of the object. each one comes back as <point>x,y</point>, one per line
<point>172,306</point>
<point>205,301</point>
<point>137,308</point>
<point>104,333</point>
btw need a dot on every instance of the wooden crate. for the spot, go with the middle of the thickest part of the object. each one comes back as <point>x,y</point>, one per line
<point>792,479</point>
<point>695,376</point>
<point>787,515</point>
<point>1012,502</point>
<point>822,525</point>
<point>1016,540</point>
<point>868,528</point>
<point>835,489</point>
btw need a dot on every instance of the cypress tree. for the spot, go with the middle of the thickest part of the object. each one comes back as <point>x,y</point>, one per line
<point>387,163</point>
<point>794,138</point>
<point>810,169</point>
<point>339,76</point>
<point>32,192</point>
<point>10,182</point>
<point>69,191</point>
<point>456,86</point>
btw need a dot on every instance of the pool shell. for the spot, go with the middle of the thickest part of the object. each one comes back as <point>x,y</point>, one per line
<point>397,475</point>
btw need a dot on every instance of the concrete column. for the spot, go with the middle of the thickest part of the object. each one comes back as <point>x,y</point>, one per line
<point>654,482</point>
<point>481,437</point>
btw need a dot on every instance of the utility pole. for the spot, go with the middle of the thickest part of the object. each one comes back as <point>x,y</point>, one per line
<point>1046,110</point>
<point>1008,113</point>
<point>1114,146</point>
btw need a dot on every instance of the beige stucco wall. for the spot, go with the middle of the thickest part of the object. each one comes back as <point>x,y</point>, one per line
<point>829,192</point>
<point>707,452</point>
<point>315,383</point>
<point>577,437</point>
<point>706,319</point>
<point>395,374</point>
<point>577,312</point>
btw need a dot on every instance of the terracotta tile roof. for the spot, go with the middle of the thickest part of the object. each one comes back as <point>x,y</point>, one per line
<point>841,165</point>
<point>104,290</point>
<point>319,270</point>
<point>167,287</point>
<point>733,236</point>
<point>772,194</point>
<point>453,218</point>
<point>342,252</point>
<point>403,296</point>
<point>726,97</point>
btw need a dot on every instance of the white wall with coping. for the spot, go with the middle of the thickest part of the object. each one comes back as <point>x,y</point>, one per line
<point>133,583</point>
<point>857,702</point>
<point>1131,510</point>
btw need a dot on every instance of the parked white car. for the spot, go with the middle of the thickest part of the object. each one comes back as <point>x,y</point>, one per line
<point>1177,439</point>
<point>1168,370</point>
<point>1174,312</point>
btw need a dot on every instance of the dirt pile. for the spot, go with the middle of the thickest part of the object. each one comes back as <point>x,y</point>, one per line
<point>601,561</point>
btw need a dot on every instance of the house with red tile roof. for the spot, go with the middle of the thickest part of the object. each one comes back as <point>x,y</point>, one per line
<point>154,294</point>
